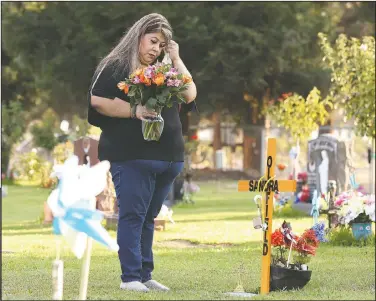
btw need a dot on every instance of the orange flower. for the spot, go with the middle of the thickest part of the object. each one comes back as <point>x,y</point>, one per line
<point>145,80</point>
<point>186,79</point>
<point>124,87</point>
<point>139,71</point>
<point>158,79</point>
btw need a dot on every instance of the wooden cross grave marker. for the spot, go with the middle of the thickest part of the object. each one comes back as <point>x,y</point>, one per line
<point>268,186</point>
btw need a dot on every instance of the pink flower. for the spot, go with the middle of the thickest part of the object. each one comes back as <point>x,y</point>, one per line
<point>149,72</point>
<point>339,202</point>
<point>177,82</point>
<point>170,74</point>
<point>173,82</point>
<point>136,80</point>
<point>170,83</point>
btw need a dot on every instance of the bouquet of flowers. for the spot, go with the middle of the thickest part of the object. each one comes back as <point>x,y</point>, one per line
<point>355,207</point>
<point>284,241</point>
<point>154,87</point>
<point>303,177</point>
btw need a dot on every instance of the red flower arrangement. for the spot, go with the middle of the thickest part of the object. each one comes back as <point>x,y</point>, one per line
<point>303,176</point>
<point>303,246</point>
<point>279,250</point>
<point>277,238</point>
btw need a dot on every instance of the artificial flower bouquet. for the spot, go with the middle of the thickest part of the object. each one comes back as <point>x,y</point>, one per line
<point>303,177</point>
<point>285,242</point>
<point>355,207</point>
<point>154,87</point>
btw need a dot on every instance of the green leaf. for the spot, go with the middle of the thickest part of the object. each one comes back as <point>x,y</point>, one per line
<point>165,92</point>
<point>181,98</point>
<point>132,91</point>
<point>162,99</point>
<point>151,103</point>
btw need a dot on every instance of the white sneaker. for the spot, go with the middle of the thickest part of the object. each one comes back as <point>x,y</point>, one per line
<point>136,286</point>
<point>155,285</point>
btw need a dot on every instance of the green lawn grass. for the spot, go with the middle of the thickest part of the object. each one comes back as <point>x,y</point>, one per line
<point>197,257</point>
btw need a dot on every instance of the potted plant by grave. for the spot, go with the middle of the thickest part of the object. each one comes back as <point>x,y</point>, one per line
<point>357,211</point>
<point>286,271</point>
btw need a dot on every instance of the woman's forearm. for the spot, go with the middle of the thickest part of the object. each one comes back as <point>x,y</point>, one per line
<point>191,92</point>
<point>111,107</point>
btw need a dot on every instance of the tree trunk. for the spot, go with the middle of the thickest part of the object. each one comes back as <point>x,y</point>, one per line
<point>217,143</point>
<point>247,151</point>
<point>252,148</point>
<point>254,136</point>
<point>5,158</point>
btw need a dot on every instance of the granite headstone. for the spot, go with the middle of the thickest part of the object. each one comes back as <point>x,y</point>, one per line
<point>329,159</point>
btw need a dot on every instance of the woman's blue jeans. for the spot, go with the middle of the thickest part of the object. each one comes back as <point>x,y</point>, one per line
<point>141,188</point>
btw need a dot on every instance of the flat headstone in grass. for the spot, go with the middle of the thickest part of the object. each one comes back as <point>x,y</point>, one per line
<point>240,294</point>
<point>304,207</point>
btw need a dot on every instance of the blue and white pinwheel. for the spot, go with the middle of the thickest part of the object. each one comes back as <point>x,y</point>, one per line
<point>73,205</point>
<point>353,183</point>
<point>315,211</point>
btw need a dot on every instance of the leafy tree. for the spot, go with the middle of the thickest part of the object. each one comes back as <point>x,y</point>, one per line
<point>298,115</point>
<point>352,65</point>
<point>236,51</point>
<point>12,129</point>
<point>61,42</point>
<point>80,126</point>
<point>44,130</point>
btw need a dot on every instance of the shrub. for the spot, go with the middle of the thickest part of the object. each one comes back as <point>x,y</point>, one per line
<point>32,168</point>
<point>288,211</point>
<point>62,151</point>
<point>343,236</point>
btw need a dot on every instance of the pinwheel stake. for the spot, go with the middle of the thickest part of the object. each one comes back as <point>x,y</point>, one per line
<point>57,274</point>
<point>315,211</point>
<point>288,235</point>
<point>289,257</point>
<point>86,265</point>
<point>75,217</point>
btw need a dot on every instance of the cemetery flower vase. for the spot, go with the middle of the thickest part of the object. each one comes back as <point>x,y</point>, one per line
<point>361,230</point>
<point>152,128</point>
<point>283,278</point>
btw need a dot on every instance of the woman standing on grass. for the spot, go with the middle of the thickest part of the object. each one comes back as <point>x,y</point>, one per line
<point>142,171</point>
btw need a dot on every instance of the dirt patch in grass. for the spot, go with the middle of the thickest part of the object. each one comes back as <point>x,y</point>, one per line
<point>181,243</point>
